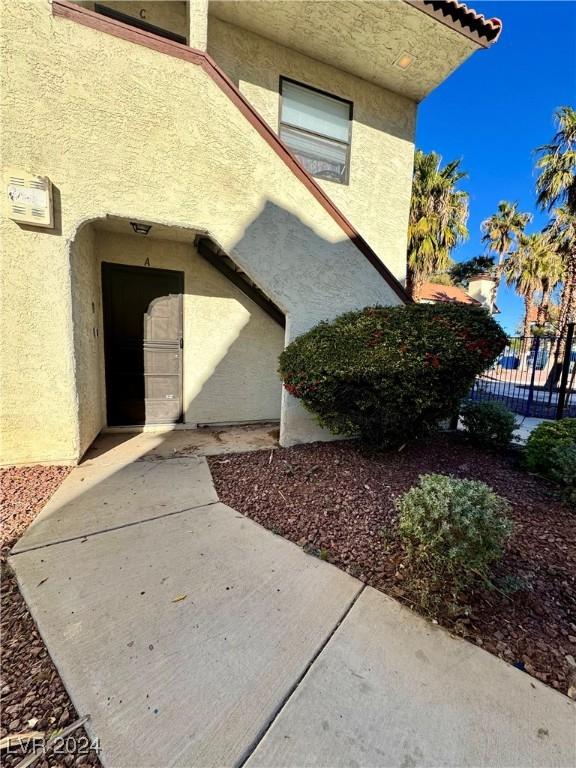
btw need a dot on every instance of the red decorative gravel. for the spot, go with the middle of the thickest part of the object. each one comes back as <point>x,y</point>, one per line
<point>24,491</point>
<point>338,501</point>
<point>33,696</point>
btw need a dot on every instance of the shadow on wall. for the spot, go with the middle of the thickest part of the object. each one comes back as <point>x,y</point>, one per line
<point>237,346</point>
<point>310,277</point>
<point>231,346</point>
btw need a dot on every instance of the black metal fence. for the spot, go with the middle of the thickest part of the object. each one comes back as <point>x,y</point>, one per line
<point>534,376</point>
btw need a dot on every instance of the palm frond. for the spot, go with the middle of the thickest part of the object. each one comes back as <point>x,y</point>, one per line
<point>438,215</point>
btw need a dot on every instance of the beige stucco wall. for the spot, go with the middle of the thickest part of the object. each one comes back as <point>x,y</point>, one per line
<point>363,37</point>
<point>377,197</point>
<point>87,329</point>
<point>231,346</point>
<point>124,130</point>
<point>198,24</point>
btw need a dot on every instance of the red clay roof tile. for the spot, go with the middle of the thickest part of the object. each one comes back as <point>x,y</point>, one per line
<point>460,16</point>
<point>449,293</point>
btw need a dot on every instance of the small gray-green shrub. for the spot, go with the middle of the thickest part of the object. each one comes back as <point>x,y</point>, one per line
<point>452,529</point>
<point>489,425</point>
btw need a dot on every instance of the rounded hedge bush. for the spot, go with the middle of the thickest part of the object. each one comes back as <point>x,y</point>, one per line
<point>490,425</point>
<point>390,373</point>
<point>453,528</point>
<point>563,460</point>
<point>542,443</point>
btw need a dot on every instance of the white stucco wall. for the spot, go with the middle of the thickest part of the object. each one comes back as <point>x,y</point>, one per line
<point>482,290</point>
<point>377,197</point>
<point>124,130</point>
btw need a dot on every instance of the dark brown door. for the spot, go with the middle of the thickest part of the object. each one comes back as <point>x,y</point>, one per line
<point>143,344</point>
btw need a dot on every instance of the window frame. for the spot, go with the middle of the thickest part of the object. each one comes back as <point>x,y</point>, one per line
<point>283,79</point>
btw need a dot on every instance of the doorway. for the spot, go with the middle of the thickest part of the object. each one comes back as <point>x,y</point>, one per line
<point>142,344</point>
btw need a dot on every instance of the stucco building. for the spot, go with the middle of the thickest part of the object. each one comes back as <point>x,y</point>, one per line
<point>190,185</point>
<point>479,292</point>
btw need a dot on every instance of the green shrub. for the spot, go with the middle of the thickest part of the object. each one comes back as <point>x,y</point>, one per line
<point>453,529</point>
<point>563,470</point>
<point>390,373</point>
<point>542,443</point>
<point>488,424</point>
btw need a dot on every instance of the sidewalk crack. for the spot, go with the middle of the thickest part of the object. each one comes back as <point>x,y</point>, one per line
<point>249,751</point>
<point>88,535</point>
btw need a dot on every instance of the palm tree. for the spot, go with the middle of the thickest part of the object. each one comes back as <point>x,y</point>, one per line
<point>463,271</point>
<point>562,231</point>
<point>551,271</point>
<point>556,184</point>
<point>523,270</point>
<point>556,187</point>
<point>438,216</point>
<point>500,232</point>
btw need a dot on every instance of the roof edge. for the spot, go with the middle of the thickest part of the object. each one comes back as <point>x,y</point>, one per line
<point>462,19</point>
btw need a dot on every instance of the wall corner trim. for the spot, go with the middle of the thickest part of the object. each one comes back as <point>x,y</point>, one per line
<point>73,12</point>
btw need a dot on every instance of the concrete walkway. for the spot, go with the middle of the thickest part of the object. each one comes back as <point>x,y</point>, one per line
<point>193,637</point>
<point>526,425</point>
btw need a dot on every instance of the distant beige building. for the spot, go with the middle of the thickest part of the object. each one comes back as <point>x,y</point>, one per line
<point>190,185</point>
<point>483,289</point>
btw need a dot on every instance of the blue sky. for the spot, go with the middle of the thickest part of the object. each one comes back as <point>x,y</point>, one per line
<point>495,109</point>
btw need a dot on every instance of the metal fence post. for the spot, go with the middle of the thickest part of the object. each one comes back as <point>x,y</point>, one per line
<point>565,370</point>
<point>533,376</point>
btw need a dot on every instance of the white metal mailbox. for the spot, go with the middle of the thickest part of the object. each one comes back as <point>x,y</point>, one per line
<point>28,198</point>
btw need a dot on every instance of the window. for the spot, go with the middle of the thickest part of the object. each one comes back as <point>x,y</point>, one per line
<point>316,129</point>
<point>112,13</point>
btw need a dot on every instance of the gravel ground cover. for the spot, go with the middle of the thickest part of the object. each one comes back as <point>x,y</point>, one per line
<point>337,502</point>
<point>33,696</point>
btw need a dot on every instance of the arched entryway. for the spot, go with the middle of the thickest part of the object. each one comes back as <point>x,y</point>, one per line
<point>167,330</point>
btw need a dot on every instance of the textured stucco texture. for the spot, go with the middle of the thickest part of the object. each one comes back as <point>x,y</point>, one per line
<point>364,37</point>
<point>186,18</point>
<point>377,197</point>
<point>171,15</point>
<point>231,346</point>
<point>127,131</point>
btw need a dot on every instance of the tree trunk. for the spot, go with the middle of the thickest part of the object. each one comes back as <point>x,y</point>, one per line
<point>543,307</point>
<point>414,283</point>
<point>528,304</point>
<point>568,299</point>
<point>567,313</point>
<point>499,269</point>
